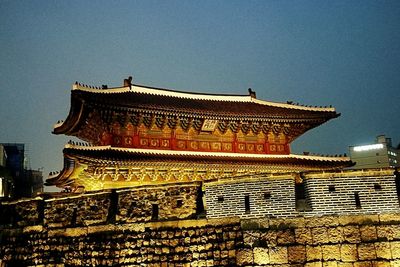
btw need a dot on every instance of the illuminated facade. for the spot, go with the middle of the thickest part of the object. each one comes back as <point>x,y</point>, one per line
<point>381,154</point>
<point>139,135</point>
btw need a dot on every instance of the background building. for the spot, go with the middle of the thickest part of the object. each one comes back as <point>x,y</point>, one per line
<point>3,156</point>
<point>380,154</point>
<point>18,181</point>
<point>6,181</point>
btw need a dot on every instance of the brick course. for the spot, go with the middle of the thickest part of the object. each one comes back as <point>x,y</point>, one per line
<point>268,197</point>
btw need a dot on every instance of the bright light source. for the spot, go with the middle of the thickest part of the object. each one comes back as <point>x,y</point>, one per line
<point>368,147</point>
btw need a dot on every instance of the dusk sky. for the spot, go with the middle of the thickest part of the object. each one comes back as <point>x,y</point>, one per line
<point>340,53</point>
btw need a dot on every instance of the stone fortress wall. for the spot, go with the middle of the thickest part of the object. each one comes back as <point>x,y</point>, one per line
<point>134,205</point>
<point>251,197</point>
<point>308,194</point>
<point>342,241</point>
<point>166,225</point>
<point>352,193</point>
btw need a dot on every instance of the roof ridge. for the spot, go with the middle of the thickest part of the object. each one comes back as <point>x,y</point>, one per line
<point>136,88</point>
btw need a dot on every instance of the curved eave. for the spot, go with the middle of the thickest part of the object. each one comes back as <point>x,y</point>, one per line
<point>55,180</point>
<point>61,178</point>
<point>73,119</point>
<point>138,98</point>
<point>132,153</point>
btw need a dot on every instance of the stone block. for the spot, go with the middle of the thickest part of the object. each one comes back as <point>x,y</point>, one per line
<point>335,234</point>
<point>385,232</point>
<point>245,257</point>
<point>322,221</point>
<point>279,223</point>
<point>389,218</point>
<point>313,264</point>
<point>396,231</point>
<point>297,222</point>
<point>368,233</point>
<point>351,234</point>
<point>320,235</point>
<point>230,244</point>
<point>269,238</point>
<point>263,223</point>
<point>345,264</point>
<point>209,263</point>
<point>348,252</point>
<point>303,236</point>
<point>395,248</point>
<point>278,255</point>
<point>359,219</point>
<point>329,264</point>
<point>296,254</point>
<point>251,237</point>
<point>261,255</point>
<point>381,264</point>
<point>313,253</point>
<point>224,254</point>
<point>32,229</point>
<point>362,264</point>
<point>395,263</point>
<point>285,237</point>
<point>366,251</point>
<point>330,252</point>
<point>383,250</point>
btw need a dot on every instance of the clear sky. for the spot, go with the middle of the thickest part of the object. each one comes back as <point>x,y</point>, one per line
<point>340,53</point>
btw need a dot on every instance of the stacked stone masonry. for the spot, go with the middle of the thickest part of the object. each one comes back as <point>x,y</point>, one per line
<point>172,202</point>
<point>212,244</point>
<point>348,241</point>
<point>150,203</point>
<point>251,222</point>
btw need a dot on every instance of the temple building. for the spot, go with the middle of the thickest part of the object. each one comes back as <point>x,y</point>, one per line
<point>137,135</point>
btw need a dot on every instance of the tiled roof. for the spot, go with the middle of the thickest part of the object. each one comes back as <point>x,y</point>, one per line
<point>142,97</point>
<point>133,153</point>
<point>149,158</point>
<point>137,99</point>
